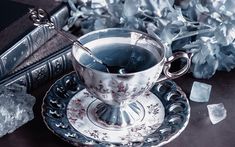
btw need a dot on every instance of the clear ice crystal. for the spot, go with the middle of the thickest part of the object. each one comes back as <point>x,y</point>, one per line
<point>200,92</point>
<point>15,108</point>
<point>217,112</point>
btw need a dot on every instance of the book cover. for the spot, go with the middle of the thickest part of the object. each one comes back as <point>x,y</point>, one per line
<point>26,46</point>
<point>42,71</point>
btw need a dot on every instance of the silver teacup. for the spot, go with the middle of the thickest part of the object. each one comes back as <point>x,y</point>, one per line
<point>118,90</point>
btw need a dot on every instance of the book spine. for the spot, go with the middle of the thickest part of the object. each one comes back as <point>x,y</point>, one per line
<point>45,70</point>
<point>30,43</point>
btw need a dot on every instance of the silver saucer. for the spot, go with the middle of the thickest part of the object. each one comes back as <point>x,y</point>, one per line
<point>67,109</point>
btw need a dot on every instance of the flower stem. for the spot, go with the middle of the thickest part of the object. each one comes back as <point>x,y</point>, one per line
<point>193,33</point>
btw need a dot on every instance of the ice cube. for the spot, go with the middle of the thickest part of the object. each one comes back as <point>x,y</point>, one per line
<point>200,92</point>
<point>217,112</point>
<point>15,108</point>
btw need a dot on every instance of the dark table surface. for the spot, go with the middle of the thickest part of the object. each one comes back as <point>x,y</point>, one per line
<point>200,132</point>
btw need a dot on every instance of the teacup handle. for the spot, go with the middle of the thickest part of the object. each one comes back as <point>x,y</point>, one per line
<point>176,74</point>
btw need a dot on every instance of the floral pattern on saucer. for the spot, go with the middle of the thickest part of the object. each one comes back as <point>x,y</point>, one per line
<point>62,94</point>
<point>86,124</point>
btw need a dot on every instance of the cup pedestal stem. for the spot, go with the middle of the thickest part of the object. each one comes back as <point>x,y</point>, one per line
<point>118,116</point>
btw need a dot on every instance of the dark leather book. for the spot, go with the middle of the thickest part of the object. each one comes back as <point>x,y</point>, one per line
<point>31,38</point>
<point>42,71</point>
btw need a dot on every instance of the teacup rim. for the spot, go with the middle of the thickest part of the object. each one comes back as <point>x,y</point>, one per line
<point>118,74</point>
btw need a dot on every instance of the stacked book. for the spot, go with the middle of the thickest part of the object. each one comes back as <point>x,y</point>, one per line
<point>38,56</point>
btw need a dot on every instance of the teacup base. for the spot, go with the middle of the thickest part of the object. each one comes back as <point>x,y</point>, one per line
<point>86,114</point>
<point>116,116</point>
